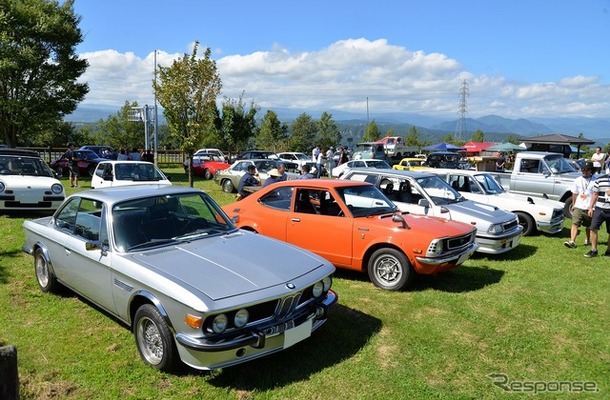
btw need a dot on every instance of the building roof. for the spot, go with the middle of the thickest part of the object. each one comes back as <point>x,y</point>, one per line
<point>557,138</point>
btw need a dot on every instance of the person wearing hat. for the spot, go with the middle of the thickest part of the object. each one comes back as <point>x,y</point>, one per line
<point>250,178</point>
<point>274,176</point>
<point>582,192</point>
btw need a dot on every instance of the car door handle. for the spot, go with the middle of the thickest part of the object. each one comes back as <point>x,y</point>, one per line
<point>295,219</point>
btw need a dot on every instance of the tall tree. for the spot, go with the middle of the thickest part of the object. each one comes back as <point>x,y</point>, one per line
<point>38,67</point>
<point>371,133</point>
<point>478,136</point>
<point>328,132</point>
<point>272,134</point>
<point>187,91</point>
<point>303,137</point>
<point>238,123</point>
<point>412,138</point>
<point>121,133</point>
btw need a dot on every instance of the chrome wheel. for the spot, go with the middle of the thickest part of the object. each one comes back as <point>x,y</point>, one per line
<point>149,341</point>
<point>389,269</point>
<point>154,339</point>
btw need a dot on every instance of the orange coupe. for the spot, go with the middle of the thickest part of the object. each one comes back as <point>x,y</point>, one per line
<point>354,226</point>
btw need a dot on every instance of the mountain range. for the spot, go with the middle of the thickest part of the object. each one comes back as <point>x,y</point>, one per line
<point>494,127</point>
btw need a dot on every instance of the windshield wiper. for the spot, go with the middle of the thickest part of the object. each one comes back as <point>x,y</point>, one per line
<point>151,243</point>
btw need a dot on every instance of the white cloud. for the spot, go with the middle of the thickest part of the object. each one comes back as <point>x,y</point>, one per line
<point>343,75</point>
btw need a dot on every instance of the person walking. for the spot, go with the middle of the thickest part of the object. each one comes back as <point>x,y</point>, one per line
<point>70,155</point>
<point>320,164</point>
<point>582,190</point>
<point>599,210</point>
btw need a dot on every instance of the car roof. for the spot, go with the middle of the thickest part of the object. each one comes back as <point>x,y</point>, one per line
<point>112,195</point>
<point>456,171</point>
<point>124,162</point>
<point>318,183</point>
<point>393,172</point>
<point>19,152</point>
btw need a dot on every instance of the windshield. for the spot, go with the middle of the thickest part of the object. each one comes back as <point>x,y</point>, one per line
<point>364,201</point>
<point>490,185</point>
<point>559,165</point>
<point>138,172</point>
<point>15,165</point>
<point>439,191</point>
<point>167,219</point>
<point>302,156</point>
<point>378,164</point>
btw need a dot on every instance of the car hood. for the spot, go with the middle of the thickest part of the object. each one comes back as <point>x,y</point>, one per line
<point>523,199</point>
<point>28,181</point>
<point>432,226</point>
<point>469,210</point>
<point>233,264</point>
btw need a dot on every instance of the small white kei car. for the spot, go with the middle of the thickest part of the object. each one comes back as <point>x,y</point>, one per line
<point>27,182</point>
<point>166,261</point>
<point>123,173</point>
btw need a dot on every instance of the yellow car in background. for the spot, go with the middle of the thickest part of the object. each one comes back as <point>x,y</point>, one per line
<point>410,164</point>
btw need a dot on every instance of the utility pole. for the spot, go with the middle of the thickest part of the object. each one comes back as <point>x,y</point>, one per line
<point>462,111</point>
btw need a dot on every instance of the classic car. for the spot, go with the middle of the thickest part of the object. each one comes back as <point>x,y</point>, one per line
<point>535,214</point>
<point>446,159</point>
<point>353,225</point>
<point>410,164</point>
<point>295,157</point>
<point>87,162</point>
<point>27,182</point>
<point>107,152</point>
<point>167,262</point>
<point>123,173</point>
<point>337,172</point>
<point>498,231</point>
<point>229,178</point>
<point>206,165</point>
<point>213,151</point>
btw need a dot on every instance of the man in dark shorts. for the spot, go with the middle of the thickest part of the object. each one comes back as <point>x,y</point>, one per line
<point>599,210</point>
<point>582,190</point>
<point>70,155</point>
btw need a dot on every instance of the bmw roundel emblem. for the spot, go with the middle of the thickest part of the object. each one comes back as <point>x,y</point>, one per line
<point>290,286</point>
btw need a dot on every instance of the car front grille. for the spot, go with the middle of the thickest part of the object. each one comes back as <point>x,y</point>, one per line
<point>460,241</point>
<point>509,226</point>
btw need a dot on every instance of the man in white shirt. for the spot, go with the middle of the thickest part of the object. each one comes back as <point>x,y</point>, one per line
<point>581,199</point>
<point>598,160</point>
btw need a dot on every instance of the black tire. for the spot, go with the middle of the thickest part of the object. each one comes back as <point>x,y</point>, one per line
<point>567,207</point>
<point>154,340</point>
<point>227,186</point>
<point>390,269</point>
<point>207,174</point>
<point>527,222</point>
<point>44,273</point>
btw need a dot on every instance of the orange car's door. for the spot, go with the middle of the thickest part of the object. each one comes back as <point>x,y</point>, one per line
<point>329,236</point>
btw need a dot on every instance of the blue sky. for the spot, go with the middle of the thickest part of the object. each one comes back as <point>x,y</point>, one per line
<point>520,58</point>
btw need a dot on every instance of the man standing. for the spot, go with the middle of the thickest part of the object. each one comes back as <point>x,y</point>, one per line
<point>70,155</point>
<point>599,210</point>
<point>250,178</point>
<point>598,160</point>
<point>582,190</point>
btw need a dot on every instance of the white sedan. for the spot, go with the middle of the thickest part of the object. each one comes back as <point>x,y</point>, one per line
<point>27,182</point>
<point>123,173</point>
<point>534,213</point>
<point>337,172</point>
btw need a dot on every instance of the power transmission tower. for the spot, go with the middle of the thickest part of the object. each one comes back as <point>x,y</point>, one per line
<point>462,111</point>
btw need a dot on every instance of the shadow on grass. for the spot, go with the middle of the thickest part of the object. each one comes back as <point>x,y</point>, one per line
<point>519,253</point>
<point>460,280</point>
<point>340,338</point>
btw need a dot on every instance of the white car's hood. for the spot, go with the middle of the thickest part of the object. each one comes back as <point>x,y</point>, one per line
<point>234,264</point>
<point>28,181</point>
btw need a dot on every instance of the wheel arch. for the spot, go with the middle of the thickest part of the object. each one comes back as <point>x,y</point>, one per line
<point>369,252</point>
<point>45,253</point>
<point>142,297</point>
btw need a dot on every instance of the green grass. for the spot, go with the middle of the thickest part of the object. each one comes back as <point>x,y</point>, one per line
<point>539,313</point>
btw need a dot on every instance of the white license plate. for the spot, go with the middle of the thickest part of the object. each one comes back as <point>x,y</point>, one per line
<point>295,335</point>
<point>29,198</point>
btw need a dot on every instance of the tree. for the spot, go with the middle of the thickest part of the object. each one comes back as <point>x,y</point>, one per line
<point>304,130</point>
<point>187,91</point>
<point>478,136</point>
<point>412,138</point>
<point>328,132</point>
<point>272,134</point>
<point>38,67</point>
<point>371,133</point>
<point>238,124</point>
<point>119,132</point>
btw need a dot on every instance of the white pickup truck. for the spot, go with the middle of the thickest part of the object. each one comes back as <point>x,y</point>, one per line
<point>541,174</point>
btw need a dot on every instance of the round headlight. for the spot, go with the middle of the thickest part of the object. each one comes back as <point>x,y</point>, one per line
<point>2,187</point>
<point>219,324</point>
<point>318,289</point>
<point>241,318</point>
<point>328,282</point>
<point>57,188</point>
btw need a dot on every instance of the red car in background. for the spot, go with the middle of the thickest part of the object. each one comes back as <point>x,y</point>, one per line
<point>206,165</point>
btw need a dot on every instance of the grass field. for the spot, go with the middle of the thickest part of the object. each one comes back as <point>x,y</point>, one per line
<point>535,319</point>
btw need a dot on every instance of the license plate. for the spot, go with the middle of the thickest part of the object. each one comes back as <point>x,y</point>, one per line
<point>29,198</point>
<point>295,335</point>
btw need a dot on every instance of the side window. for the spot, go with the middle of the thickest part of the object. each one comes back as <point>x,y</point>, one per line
<point>67,216</point>
<point>473,187</point>
<point>358,164</point>
<point>328,204</point>
<point>303,202</point>
<point>279,198</point>
<point>530,166</point>
<point>88,220</point>
<point>99,171</point>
